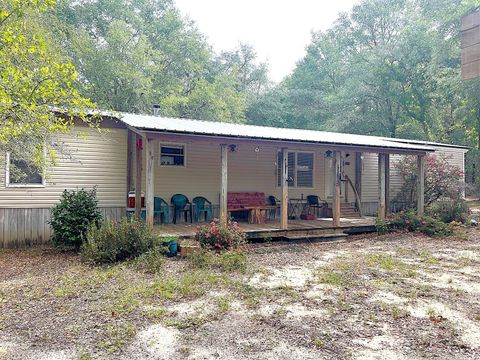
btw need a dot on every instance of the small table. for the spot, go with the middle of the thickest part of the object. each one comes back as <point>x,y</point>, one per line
<point>258,214</point>
<point>295,205</point>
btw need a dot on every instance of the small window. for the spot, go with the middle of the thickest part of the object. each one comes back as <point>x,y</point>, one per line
<point>172,155</point>
<point>21,173</point>
<point>300,169</point>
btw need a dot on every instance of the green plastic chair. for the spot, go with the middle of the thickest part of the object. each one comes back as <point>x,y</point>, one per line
<point>202,206</point>
<point>181,205</point>
<point>161,208</point>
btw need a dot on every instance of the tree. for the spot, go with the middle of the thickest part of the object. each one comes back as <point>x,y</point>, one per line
<point>134,54</point>
<point>388,68</point>
<point>34,80</point>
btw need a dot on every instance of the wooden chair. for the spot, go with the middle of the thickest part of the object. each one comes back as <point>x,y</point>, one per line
<point>181,205</point>
<point>202,206</point>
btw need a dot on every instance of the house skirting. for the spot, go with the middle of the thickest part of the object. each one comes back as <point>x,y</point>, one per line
<point>26,227</point>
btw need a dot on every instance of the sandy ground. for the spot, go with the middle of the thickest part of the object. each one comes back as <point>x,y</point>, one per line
<point>397,296</point>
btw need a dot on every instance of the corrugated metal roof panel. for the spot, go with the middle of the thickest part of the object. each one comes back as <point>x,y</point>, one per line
<point>200,127</point>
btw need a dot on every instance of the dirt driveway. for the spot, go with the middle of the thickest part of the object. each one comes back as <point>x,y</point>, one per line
<point>398,296</point>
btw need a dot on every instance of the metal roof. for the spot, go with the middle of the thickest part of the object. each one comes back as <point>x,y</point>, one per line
<point>223,129</point>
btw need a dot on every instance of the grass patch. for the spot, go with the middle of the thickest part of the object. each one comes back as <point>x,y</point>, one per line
<point>154,313</point>
<point>151,262</point>
<point>117,336</point>
<point>78,281</point>
<point>192,321</point>
<point>427,257</point>
<point>340,273</point>
<point>223,303</point>
<point>229,261</point>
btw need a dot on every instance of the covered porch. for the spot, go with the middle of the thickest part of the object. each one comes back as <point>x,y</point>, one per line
<point>218,158</point>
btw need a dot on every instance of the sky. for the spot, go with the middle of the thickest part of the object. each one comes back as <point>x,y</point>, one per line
<point>278,29</point>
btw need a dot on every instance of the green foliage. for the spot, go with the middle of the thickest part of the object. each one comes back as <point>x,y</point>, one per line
<point>115,241</point>
<point>219,236</point>
<point>133,54</point>
<point>73,216</point>
<point>381,225</point>
<point>388,68</point>
<point>410,221</point>
<point>34,79</point>
<point>448,210</point>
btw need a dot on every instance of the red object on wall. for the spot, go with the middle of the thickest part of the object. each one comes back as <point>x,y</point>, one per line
<point>131,199</point>
<point>140,144</point>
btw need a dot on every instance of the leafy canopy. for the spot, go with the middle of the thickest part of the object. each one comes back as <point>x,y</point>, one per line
<point>34,79</point>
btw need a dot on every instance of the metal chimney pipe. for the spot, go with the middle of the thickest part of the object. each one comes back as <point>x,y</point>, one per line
<point>156,109</point>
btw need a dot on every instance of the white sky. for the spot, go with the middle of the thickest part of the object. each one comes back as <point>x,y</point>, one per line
<point>278,29</point>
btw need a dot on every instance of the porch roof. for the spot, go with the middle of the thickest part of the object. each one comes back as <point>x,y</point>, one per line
<point>233,130</point>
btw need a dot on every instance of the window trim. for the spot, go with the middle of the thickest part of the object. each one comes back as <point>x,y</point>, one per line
<point>295,169</point>
<point>20,185</point>
<point>166,144</point>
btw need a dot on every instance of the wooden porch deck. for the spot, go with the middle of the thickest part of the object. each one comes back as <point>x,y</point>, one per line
<point>296,228</point>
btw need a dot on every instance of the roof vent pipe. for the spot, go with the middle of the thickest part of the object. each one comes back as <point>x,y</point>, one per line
<point>156,109</point>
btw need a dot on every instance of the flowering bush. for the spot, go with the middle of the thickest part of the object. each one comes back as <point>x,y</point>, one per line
<point>442,180</point>
<point>219,236</point>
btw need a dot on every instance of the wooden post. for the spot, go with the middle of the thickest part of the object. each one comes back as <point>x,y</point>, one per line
<point>381,186</point>
<point>130,151</point>
<point>150,193</point>
<point>358,173</point>
<point>138,175</point>
<point>387,183</point>
<point>224,183</point>
<point>420,184</point>
<point>284,184</point>
<point>336,193</point>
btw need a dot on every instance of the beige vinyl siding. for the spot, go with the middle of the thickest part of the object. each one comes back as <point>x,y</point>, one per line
<point>96,159</point>
<point>454,156</point>
<point>370,177</point>
<point>248,170</point>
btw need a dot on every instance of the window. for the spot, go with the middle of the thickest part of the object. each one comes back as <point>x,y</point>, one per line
<point>300,169</point>
<point>21,173</point>
<point>172,155</point>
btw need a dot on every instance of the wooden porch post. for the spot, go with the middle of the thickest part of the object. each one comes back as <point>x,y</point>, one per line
<point>284,184</point>
<point>336,194</point>
<point>224,182</point>
<point>387,183</point>
<point>138,175</point>
<point>150,179</point>
<point>381,186</point>
<point>420,184</point>
<point>358,173</point>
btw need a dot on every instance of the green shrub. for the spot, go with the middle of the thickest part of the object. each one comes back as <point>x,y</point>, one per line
<point>448,210</point>
<point>410,221</point>
<point>115,241</point>
<point>218,236</point>
<point>73,216</point>
<point>381,225</point>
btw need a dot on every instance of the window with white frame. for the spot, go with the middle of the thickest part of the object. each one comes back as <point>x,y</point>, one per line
<point>172,155</point>
<point>20,172</point>
<point>300,169</point>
